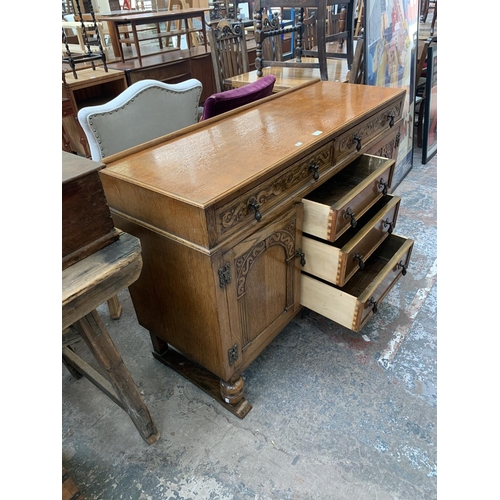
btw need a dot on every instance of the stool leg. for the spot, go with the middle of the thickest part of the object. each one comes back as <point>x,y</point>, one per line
<point>95,335</point>
<point>115,308</point>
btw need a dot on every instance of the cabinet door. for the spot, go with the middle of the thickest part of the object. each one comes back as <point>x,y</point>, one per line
<point>263,294</point>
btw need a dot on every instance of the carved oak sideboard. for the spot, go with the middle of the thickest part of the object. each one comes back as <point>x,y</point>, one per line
<point>218,209</point>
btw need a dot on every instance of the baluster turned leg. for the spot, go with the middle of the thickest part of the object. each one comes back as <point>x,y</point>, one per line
<point>233,390</point>
<point>258,41</point>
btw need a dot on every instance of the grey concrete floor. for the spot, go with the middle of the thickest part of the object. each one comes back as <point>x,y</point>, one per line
<point>336,415</point>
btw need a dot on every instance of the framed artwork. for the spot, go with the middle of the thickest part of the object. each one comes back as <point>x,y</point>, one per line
<point>391,45</point>
<point>429,143</point>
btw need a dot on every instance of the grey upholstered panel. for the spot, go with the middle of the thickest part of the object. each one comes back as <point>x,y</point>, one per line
<point>144,111</point>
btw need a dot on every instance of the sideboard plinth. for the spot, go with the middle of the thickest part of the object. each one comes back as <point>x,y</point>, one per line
<point>203,379</point>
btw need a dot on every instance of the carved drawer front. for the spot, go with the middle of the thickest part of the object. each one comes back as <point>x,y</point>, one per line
<point>367,131</point>
<point>334,207</point>
<point>354,304</point>
<point>337,262</point>
<point>254,204</point>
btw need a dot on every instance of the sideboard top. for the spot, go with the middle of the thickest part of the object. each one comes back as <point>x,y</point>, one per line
<point>214,159</point>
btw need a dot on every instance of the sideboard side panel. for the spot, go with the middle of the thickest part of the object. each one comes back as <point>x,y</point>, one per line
<point>174,297</point>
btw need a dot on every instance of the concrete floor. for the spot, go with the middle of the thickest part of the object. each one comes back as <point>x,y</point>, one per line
<point>336,415</point>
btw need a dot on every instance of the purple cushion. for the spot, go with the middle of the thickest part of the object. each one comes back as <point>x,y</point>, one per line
<point>234,98</point>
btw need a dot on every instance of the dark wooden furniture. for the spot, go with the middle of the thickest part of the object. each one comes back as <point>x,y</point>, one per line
<point>136,20</point>
<point>321,52</point>
<point>424,8</point>
<point>172,67</point>
<point>73,137</point>
<point>92,87</point>
<point>229,52</point>
<point>289,77</point>
<point>86,31</point>
<point>357,71</point>
<point>218,208</point>
<point>97,275</point>
<point>86,221</point>
<point>309,33</point>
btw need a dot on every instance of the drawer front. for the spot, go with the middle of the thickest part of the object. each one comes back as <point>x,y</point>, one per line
<point>334,207</point>
<point>337,263</point>
<point>389,145</point>
<point>254,204</point>
<point>367,131</point>
<point>354,304</point>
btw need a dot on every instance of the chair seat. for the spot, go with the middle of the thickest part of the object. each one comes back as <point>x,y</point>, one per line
<point>222,102</point>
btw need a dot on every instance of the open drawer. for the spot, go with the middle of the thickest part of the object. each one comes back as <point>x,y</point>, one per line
<point>354,304</point>
<point>334,207</point>
<point>337,262</point>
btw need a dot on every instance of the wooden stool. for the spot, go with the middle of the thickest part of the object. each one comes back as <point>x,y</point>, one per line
<point>87,284</point>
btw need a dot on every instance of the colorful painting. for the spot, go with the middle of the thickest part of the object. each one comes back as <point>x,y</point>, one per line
<point>391,37</point>
<point>429,146</point>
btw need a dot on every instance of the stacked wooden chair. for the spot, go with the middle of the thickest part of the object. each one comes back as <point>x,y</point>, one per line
<point>265,28</point>
<point>229,52</point>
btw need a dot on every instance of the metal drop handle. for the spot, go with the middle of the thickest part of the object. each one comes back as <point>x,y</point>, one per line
<point>391,117</point>
<point>387,222</point>
<point>300,253</point>
<point>404,267</point>
<point>357,140</point>
<point>382,184</point>
<point>313,167</point>
<point>253,205</point>
<point>373,303</point>
<point>351,214</point>
<point>360,258</point>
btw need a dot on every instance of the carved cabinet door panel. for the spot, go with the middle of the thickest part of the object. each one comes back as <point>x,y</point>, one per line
<point>263,294</point>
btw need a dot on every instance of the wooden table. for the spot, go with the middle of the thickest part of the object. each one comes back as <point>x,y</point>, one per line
<point>86,285</point>
<point>291,77</point>
<point>134,20</point>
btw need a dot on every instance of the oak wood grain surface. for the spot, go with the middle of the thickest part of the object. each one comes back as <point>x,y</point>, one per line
<point>214,160</point>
